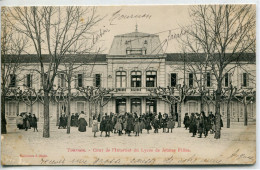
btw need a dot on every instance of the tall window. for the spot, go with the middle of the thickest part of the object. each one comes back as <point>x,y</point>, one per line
<point>173,79</point>
<point>191,79</point>
<point>136,79</point>
<point>120,79</point>
<point>80,80</point>
<point>97,80</point>
<point>245,79</point>
<point>151,77</point>
<point>62,82</point>
<point>226,80</point>
<point>12,109</point>
<point>28,80</point>
<point>12,80</point>
<point>208,80</point>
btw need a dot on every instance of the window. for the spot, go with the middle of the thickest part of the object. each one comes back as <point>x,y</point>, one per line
<point>28,80</point>
<point>245,79</point>
<point>151,78</point>
<point>12,109</point>
<point>12,80</point>
<point>136,79</point>
<point>190,79</point>
<point>97,80</point>
<point>120,79</point>
<point>62,82</point>
<point>80,80</point>
<point>173,79</point>
<point>226,80</point>
<point>208,80</point>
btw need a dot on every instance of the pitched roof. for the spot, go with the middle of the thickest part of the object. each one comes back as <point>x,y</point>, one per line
<point>136,40</point>
<point>192,57</point>
<point>77,58</point>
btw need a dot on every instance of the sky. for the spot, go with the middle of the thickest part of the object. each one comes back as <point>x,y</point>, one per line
<point>163,20</point>
<point>160,20</point>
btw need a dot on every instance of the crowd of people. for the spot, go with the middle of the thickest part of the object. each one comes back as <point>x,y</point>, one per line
<point>200,123</point>
<point>26,121</point>
<point>128,123</point>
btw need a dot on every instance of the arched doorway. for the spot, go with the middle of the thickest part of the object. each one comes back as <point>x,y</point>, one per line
<point>136,106</point>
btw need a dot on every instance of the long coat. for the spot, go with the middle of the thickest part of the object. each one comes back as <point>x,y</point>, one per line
<point>193,124</point>
<point>34,122</point>
<point>129,125</point>
<point>137,127</point>
<point>82,124</point>
<point>148,124</point>
<point>102,125</point>
<point>186,121</point>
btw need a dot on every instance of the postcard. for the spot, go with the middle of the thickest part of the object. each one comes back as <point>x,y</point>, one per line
<point>128,85</point>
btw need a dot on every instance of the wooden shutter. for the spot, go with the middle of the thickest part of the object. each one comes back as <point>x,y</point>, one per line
<point>230,79</point>
<point>177,79</point>
<point>25,80</point>
<point>101,80</point>
<point>241,79</point>
<point>247,79</point>
<point>94,80</point>
<point>31,75</point>
<point>59,80</point>
<point>169,79</point>
<point>76,80</point>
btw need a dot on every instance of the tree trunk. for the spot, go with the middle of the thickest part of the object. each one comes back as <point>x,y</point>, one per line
<point>179,115</point>
<point>101,111</point>
<point>3,120</point>
<point>46,123</point>
<point>217,116</point>
<point>245,113</point>
<point>31,108</point>
<point>68,108</point>
<point>228,114</point>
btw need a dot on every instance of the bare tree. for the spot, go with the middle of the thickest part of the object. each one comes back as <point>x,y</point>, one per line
<point>12,46</point>
<point>224,33</point>
<point>54,30</point>
<point>174,95</point>
<point>245,96</point>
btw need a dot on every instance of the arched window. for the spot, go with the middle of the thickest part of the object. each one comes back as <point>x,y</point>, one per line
<point>151,77</point>
<point>136,79</point>
<point>121,79</point>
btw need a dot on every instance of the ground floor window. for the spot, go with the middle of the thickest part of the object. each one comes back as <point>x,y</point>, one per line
<point>80,107</point>
<point>12,109</point>
<point>136,106</point>
<point>121,105</point>
<point>151,106</point>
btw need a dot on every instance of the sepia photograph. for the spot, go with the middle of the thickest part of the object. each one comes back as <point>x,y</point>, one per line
<point>128,85</point>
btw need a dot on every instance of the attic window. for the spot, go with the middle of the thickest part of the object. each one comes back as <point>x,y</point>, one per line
<point>145,42</point>
<point>127,42</point>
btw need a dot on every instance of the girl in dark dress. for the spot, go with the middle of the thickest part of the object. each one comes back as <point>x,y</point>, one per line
<point>148,124</point>
<point>156,124</point>
<point>129,124</point>
<point>34,123</point>
<point>186,121</point>
<point>102,125</point>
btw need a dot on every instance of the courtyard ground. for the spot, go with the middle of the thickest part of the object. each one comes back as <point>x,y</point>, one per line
<point>237,145</point>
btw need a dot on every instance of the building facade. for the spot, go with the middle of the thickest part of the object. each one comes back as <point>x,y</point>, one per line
<point>135,65</point>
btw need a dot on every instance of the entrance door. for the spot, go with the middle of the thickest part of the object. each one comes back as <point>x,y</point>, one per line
<point>121,106</point>
<point>150,105</point>
<point>136,106</point>
<point>80,107</point>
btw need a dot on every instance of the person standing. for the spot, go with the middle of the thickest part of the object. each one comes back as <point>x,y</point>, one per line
<point>129,124</point>
<point>30,120</point>
<point>19,121</point>
<point>118,125</point>
<point>201,124</point>
<point>193,124</point>
<point>95,126</point>
<point>34,123</point>
<point>102,126</point>
<point>170,124</point>
<point>137,126</point>
<point>25,122</point>
<point>186,121</point>
<point>82,122</point>
<point>72,120</point>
